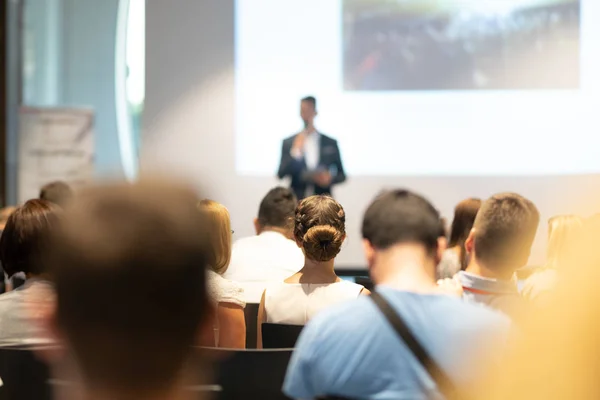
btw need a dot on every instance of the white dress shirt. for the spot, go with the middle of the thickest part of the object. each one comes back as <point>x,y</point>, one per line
<point>311,156</point>
<point>310,152</point>
<point>259,260</point>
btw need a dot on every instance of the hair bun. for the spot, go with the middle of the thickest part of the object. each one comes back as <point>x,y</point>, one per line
<point>322,242</point>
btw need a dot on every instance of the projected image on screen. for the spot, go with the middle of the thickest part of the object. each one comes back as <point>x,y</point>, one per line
<point>460,45</point>
<point>422,87</point>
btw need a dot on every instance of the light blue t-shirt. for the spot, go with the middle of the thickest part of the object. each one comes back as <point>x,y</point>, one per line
<point>351,350</point>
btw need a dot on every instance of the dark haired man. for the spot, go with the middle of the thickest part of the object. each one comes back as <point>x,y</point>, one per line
<point>129,265</point>
<point>271,255</point>
<point>498,245</point>
<point>311,159</point>
<point>351,350</point>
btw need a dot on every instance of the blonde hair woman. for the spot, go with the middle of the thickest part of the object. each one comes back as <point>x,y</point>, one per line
<point>226,296</point>
<point>562,231</point>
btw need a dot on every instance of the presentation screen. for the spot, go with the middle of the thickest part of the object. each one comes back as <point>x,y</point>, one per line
<point>422,87</point>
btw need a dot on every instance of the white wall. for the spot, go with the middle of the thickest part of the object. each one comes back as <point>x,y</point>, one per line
<point>189,128</point>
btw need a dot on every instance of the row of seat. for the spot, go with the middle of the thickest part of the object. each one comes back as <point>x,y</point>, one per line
<point>236,374</point>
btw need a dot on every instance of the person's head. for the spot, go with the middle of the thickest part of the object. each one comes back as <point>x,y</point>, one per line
<point>219,224</point>
<point>25,236</point>
<point>562,231</point>
<point>308,110</point>
<point>58,192</point>
<point>320,227</point>
<point>503,233</point>
<point>556,353</point>
<point>129,263</point>
<point>276,212</point>
<point>464,217</point>
<point>399,218</point>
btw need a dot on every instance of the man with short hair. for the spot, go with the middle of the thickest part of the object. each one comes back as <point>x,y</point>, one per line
<point>271,255</point>
<point>58,192</point>
<point>311,159</point>
<point>129,264</point>
<point>351,350</point>
<point>498,245</point>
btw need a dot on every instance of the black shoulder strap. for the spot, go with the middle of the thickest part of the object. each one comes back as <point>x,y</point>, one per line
<point>443,382</point>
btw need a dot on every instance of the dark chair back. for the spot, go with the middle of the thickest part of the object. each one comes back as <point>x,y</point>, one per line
<point>366,282</point>
<point>251,316</point>
<point>249,374</point>
<point>23,375</point>
<point>279,336</point>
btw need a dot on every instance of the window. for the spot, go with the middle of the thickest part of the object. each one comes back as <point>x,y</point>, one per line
<point>130,80</point>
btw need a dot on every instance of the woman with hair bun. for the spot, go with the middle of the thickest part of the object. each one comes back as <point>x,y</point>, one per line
<point>320,231</point>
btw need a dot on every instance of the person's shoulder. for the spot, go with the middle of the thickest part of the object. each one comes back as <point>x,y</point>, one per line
<point>223,290</point>
<point>327,138</point>
<point>351,286</point>
<point>290,139</point>
<point>12,295</point>
<point>480,315</point>
<point>347,316</point>
<point>244,242</point>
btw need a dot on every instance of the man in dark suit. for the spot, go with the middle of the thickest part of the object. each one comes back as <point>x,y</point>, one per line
<point>310,158</point>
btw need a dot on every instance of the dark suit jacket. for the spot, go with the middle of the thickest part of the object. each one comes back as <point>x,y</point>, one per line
<point>329,159</point>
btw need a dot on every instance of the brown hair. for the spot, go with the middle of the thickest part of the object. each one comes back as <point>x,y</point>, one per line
<point>320,225</point>
<point>464,217</point>
<point>128,263</point>
<point>57,192</point>
<point>25,234</point>
<point>505,227</point>
<point>219,235</point>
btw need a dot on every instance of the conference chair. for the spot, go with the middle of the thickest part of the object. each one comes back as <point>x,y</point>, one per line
<point>279,336</point>
<point>23,375</point>
<point>251,316</point>
<point>248,374</point>
<point>366,282</point>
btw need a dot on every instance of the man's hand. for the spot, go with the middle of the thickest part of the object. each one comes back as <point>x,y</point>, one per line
<point>298,145</point>
<point>323,179</point>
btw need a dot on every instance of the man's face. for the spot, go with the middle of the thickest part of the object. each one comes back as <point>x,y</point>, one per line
<point>307,112</point>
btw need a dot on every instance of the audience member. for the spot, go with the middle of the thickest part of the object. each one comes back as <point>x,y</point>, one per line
<point>320,230</point>
<point>25,234</point>
<point>351,350</point>
<point>563,231</point>
<point>227,296</point>
<point>58,192</point>
<point>454,258</point>
<point>4,214</point>
<point>5,283</point>
<point>271,255</point>
<point>498,245</point>
<point>128,263</point>
<point>556,355</point>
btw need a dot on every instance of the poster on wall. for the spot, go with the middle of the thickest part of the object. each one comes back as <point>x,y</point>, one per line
<point>54,144</point>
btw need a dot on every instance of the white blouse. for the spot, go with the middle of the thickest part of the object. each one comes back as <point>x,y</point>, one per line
<point>296,303</point>
<point>221,290</point>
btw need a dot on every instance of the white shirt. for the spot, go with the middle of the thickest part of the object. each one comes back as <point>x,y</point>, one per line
<point>310,150</point>
<point>20,309</point>
<point>259,260</point>
<point>296,303</point>
<point>311,156</point>
<point>221,290</point>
